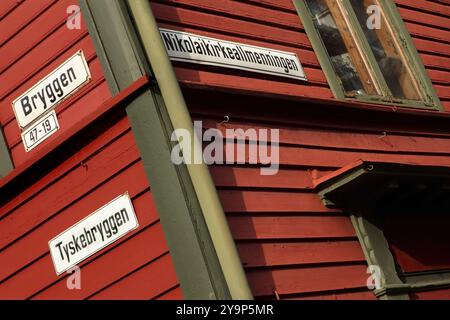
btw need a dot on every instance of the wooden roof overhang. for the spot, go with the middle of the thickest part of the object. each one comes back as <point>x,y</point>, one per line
<point>367,186</point>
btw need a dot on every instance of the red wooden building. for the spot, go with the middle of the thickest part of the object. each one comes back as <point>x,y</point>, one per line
<point>363,183</point>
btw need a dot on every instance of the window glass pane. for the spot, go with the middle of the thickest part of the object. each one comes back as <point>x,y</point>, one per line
<point>341,48</point>
<point>386,50</point>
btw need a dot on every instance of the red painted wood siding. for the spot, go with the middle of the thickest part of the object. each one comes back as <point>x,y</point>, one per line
<point>288,241</point>
<point>276,24</point>
<point>441,294</point>
<point>428,23</point>
<point>34,40</point>
<point>422,243</point>
<point>138,266</point>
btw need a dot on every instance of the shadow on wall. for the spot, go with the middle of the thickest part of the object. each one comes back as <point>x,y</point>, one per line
<point>240,221</point>
<point>419,242</point>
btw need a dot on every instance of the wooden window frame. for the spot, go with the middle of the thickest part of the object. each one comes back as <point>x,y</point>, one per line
<point>395,285</point>
<point>430,100</point>
<point>335,191</point>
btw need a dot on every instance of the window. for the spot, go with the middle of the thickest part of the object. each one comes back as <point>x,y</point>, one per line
<point>400,215</point>
<point>366,52</point>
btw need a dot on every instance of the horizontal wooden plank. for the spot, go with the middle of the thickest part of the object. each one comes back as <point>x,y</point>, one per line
<point>89,150</point>
<point>68,117</point>
<point>255,84</point>
<point>426,32</point>
<point>329,158</point>
<point>439,77</point>
<point>432,20</point>
<point>443,92</point>
<point>338,158</point>
<point>20,17</point>
<point>241,10</point>
<point>172,294</point>
<point>39,69</point>
<point>6,6</point>
<point>355,294</point>
<point>446,105</point>
<point>426,6</point>
<point>86,177</point>
<point>305,280</point>
<point>40,274</point>
<point>227,176</point>
<point>144,284</point>
<point>440,294</point>
<point>39,57</point>
<point>265,201</point>
<point>280,226</point>
<point>238,27</point>
<point>278,4</point>
<point>19,254</point>
<point>350,140</point>
<point>433,47</point>
<point>134,253</point>
<point>434,61</point>
<point>328,114</point>
<point>12,130</point>
<point>256,254</point>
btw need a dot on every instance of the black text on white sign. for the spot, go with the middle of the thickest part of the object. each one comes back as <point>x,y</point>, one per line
<point>93,233</point>
<point>188,47</point>
<point>52,90</point>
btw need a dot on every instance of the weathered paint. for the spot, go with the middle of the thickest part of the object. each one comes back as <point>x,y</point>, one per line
<point>421,245</point>
<point>34,41</point>
<point>105,167</point>
<point>276,24</point>
<point>89,162</point>
<point>439,294</point>
<point>188,238</point>
<point>5,160</point>
<point>267,212</point>
<point>278,220</point>
<point>291,245</point>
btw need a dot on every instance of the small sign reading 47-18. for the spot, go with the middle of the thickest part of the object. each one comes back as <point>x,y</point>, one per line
<point>39,131</point>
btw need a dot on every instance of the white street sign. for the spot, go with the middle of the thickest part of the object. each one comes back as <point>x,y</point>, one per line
<point>52,90</point>
<point>93,233</point>
<point>188,47</point>
<point>40,131</point>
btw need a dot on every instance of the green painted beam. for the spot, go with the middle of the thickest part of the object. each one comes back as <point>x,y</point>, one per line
<point>319,49</point>
<point>200,177</point>
<point>343,189</point>
<point>429,280</point>
<point>377,253</point>
<point>6,164</point>
<point>188,238</point>
<point>412,55</point>
<point>115,42</point>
